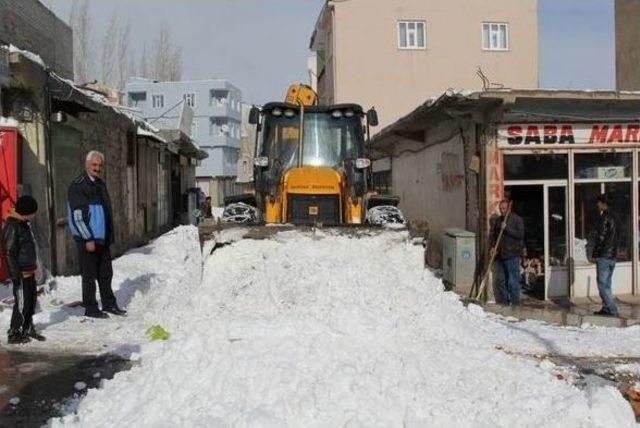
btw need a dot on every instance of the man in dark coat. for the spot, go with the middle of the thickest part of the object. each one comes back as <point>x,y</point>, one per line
<point>91,223</point>
<point>20,250</point>
<point>605,253</point>
<point>206,209</point>
<point>508,253</point>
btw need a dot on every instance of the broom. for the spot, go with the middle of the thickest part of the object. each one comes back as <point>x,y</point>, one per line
<point>494,252</point>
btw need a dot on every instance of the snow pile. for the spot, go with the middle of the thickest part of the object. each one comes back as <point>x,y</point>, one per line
<point>147,282</point>
<point>321,330</point>
<point>8,121</point>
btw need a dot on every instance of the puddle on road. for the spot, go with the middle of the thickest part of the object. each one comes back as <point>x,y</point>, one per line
<point>45,384</point>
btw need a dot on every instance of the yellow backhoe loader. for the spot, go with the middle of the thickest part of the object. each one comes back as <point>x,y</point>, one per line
<point>312,167</point>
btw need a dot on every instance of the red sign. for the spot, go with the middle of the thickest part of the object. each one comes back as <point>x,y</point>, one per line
<point>532,135</point>
<point>8,181</point>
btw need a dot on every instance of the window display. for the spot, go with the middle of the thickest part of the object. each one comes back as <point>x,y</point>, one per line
<point>602,165</point>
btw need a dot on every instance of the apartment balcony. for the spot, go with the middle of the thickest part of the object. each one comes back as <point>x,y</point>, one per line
<point>220,110</point>
<point>219,141</point>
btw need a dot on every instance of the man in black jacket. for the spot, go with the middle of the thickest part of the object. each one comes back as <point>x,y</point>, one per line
<point>91,224</point>
<point>20,249</point>
<point>508,253</point>
<point>605,251</point>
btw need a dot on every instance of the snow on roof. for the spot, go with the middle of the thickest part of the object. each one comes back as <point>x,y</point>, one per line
<point>28,54</point>
<point>8,121</point>
<point>144,133</point>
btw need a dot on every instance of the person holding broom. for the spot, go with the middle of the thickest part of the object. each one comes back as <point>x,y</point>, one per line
<point>507,242</point>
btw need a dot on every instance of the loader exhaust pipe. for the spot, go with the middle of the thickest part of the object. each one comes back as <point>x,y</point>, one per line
<point>301,133</point>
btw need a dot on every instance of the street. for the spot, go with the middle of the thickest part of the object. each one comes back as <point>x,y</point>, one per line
<point>317,329</point>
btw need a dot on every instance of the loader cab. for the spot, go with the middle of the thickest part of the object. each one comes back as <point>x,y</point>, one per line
<point>322,160</point>
<point>331,135</point>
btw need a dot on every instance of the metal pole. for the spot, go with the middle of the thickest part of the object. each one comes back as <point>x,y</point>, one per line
<point>50,193</point>
<point>301,133</point>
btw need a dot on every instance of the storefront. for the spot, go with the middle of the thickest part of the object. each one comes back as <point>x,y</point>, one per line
<point>553,174</point>
<point>551,152</point>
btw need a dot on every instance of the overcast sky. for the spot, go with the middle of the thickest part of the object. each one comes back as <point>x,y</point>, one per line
<point>262,45</point>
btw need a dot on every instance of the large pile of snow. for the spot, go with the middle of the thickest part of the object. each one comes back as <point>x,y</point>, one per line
<point>321,330</point>
<point>147,282</point>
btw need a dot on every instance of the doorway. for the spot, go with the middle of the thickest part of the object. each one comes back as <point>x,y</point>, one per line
<point>543,209</point>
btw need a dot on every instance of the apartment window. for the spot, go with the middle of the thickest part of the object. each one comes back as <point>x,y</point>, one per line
<point>218,97</point>
<point>495,36</point>
<point>190,99</point>
<point>137,99</point>
<point>218,127</point>
<point>157,101</point>
<point>412,35</point>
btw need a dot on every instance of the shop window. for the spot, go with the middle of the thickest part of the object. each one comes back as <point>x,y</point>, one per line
<point>602,165</point>
<point>587,216</point>
<point>536,167</point>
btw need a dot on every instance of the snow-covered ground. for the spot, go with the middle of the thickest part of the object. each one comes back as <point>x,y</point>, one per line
<point>321,330</point>
<point>147,281</point>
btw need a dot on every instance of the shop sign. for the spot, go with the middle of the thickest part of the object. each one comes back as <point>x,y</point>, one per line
<point>495,181</point>
<point>533,135</point>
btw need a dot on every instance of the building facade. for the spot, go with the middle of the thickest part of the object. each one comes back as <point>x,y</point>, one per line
<point>216,124</point>
<point>29,25</point>
<point>551,153</point>
<point>628,45</point>
<point>393,54</point>
<point>52,125</point>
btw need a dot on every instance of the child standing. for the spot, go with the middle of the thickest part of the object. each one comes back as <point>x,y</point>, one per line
<point>20,250</point>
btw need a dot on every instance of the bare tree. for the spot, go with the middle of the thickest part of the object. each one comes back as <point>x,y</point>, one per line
<point>175,65</point>
<point>143,69</point>
<point>109,50</point>
<point>167,59</point>
<point>124,55</point>
<point>161,53</point>
<point>131,71</point>
<point>80,21</point>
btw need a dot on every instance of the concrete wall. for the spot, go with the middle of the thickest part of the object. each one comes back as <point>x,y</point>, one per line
<point>140,192</point>
<point>29,25</point>
<point>628,45</point>
<point>431,184</point>
<point>371,70</point>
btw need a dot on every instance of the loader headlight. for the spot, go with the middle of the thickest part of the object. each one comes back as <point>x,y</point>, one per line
<point>277,112</point>
<point>261,162</point>
<point>349,113</point>
<point>363,163</point>
<point>289,113</point>
<point>336,114</point>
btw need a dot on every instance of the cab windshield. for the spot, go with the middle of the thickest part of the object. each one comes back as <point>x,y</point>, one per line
<point>328,140</point>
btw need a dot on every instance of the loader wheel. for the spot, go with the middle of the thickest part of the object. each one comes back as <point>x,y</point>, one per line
<point>240,213</point>
<point>384,215</point>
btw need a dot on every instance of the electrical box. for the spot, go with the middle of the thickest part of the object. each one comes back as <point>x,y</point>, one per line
<point>459,258</point>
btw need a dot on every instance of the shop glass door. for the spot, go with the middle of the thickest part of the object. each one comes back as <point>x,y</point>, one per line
<point>556,252</point>
<point>543,209</point>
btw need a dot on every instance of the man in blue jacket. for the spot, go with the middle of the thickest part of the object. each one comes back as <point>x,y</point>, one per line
<point>91,224</point>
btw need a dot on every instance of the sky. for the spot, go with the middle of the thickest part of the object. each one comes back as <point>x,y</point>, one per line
<point>261,46</point>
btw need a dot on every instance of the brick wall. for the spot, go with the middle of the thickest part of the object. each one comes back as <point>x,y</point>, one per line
<point>29,25</point>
